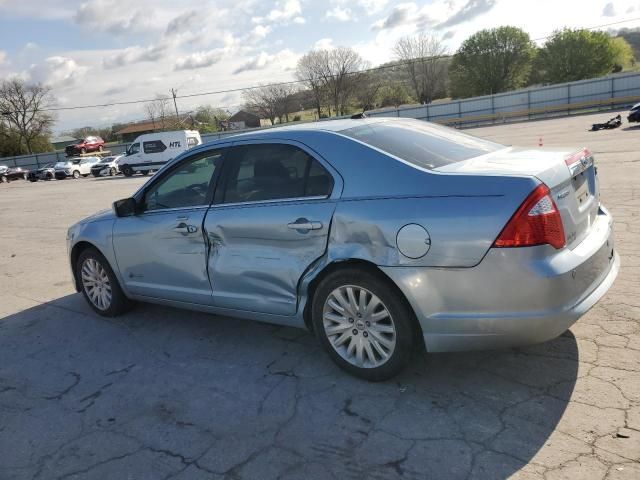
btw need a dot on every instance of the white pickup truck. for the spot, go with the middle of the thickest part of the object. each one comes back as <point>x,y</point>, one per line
<point>75,167</point>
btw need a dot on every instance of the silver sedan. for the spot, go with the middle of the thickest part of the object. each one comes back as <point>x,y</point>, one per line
<point>379,235</point>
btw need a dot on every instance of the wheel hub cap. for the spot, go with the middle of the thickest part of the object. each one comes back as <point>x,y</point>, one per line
<point>96,283</point>
<point>359,326</point>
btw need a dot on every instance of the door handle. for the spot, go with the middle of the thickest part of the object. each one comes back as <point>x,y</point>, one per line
<point>185,229</point>
<point>304,225</point>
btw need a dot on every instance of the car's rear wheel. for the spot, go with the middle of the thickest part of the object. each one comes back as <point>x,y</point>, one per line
<point>127,170</point>
<point>4,179</point>
<point>100,286</point>
<point>145,172</point>
<point>76,174</point>
<point>363,323</point>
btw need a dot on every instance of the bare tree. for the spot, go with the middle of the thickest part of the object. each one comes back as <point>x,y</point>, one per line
<point>270,101</point>
<point>159,112</point>
<point>425,60</point>
<point>23,108</point>
<point>367,92</point>
<point>340,75</point>
<point>309,71</point>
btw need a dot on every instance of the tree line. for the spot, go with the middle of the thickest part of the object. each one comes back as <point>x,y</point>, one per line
<point>338,81</point>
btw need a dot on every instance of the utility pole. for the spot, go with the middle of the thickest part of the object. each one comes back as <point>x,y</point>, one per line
<point>174,93</point>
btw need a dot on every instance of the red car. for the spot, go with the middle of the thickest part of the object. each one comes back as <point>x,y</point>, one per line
<point>85,145</point>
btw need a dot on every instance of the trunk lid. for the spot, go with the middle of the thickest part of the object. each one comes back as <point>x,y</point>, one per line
<point>570,174</point>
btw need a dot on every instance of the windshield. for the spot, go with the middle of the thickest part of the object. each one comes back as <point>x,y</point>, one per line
<point>420,143</point>
<point>107,160</point>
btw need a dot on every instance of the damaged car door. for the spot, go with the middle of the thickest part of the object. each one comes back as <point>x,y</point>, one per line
<point>269,222</point>
<point>162,250</point>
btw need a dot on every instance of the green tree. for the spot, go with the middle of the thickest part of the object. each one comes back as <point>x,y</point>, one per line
<point>491,61</point>
<point>623,54</point>
<point>209,118</point>
<point>394,95</point>
<point>570,55</point>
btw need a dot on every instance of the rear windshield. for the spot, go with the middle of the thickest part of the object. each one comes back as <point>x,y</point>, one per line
<point>420,143</point>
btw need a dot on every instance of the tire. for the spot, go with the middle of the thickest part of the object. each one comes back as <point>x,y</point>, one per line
<point>83,150</point>
<point>127,170</point>
<point>145,172</point>
<point>76,174</point>
<point>393,334</point>
<point>49,176</point>
<point>112,171</point>
<point>4,179</point>
<point>100,148</point>
<point>25,176</point>
<point>92,265</point>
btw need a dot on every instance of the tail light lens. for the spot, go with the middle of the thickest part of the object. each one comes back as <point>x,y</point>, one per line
<point>536,222</point>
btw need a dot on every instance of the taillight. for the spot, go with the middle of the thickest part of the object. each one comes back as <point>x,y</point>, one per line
<point>536,222</point>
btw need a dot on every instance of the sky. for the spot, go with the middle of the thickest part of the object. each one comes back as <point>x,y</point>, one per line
<point>102,51</point>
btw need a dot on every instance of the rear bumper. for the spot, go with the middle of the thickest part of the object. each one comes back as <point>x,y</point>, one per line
<point>515,296</point>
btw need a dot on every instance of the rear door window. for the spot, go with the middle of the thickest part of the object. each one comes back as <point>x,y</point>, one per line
<point>262,172</point>
<point>420,143</point>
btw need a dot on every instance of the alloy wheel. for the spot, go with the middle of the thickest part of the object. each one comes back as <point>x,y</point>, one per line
<point>359,326</point>
<point>96,283</point>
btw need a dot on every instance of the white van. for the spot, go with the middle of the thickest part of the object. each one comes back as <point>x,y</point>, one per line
<point>151,151</point>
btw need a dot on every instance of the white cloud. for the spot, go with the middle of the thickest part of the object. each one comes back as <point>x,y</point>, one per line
<point>3,56</point>
<point>260,31</point>
<point>284,59</point>
<point>372,7</point>
<point>609,10</point>
<point>182,23</point>
<point>284,12</point>
<point>338,13</point>
<point>135,54</point>
<point>113,16</point>
<point>57,71</point>
<point>401,14</point>
<point>199,59</point>
<point>324,44</point>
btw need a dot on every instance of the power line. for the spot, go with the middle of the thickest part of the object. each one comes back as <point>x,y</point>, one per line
<point>276,84</point>
<point>596,26</point>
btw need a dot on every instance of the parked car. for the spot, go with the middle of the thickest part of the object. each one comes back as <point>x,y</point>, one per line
<point>378,234</point>
<point>153,150</point>
<point>85,145</point>
<point>634,114</point>
<point>43,173</point>
<point>8,174</point>
<point>75,167</point>
<point>107,166</point>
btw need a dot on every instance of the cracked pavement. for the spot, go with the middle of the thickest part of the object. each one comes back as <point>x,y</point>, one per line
<point>169,394</point>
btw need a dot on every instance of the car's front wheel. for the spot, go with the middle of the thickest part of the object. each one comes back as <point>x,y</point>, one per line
<point>4,179</point>
<point>112,171</point>
<point>76,174</point>
<point>100,286</point>
<point>127,170</point>
<point>363,323</point>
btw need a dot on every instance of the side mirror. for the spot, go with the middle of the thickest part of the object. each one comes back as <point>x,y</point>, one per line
<point>125,207</point>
